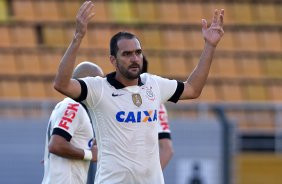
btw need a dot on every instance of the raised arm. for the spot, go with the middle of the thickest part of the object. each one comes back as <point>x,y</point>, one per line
<point>63,82</point>
<point>212,35</point>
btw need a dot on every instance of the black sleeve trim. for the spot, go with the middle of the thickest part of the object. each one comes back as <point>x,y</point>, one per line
<point>83,93</point>
<point>164,135</point>
<point>61,132</point>
<point>178,92</point>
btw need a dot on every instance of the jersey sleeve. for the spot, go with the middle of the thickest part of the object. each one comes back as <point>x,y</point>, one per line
<point>170,90</point>
<point>66,119</point>
<point>91,90</point>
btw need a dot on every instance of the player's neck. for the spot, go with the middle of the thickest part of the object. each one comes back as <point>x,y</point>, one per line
<point>126,82</point>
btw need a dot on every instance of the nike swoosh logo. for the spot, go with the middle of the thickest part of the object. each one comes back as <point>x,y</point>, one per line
<point>114,95</point>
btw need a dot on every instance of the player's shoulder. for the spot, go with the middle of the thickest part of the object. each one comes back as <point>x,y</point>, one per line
<point>96,78</point>
<point>68,102</point>
<point>94,82</point>
<point>148,76</point>
<point>70,106</point>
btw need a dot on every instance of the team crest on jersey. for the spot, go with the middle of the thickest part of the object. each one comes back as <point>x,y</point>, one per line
<point>137,100</point>
<point>150,94</point>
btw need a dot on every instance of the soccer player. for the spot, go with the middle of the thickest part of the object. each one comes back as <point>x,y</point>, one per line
<point>124,105</point>
<point>69,137</point>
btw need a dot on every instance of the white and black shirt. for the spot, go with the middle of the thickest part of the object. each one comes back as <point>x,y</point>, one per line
<point>125,121</point>
<point>70,120</point>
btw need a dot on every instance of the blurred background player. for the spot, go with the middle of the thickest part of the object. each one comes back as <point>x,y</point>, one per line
<point>165,143</point>
<point>69,138</point>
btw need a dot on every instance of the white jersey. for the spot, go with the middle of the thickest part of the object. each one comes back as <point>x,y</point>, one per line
<point>125,123</point>
<point>70,120</point>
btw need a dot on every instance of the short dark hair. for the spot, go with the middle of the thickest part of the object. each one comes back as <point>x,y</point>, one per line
<point>116,38</point>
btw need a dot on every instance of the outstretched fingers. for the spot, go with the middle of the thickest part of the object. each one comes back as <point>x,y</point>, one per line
<point>83,17</point>
<point>214,32</point>
<point>218,18</point>
<point>85,11</point>
<point>82,8</point>
<point>88,14</point>
<point>204,24</point>
<point>215,17</point>
<point>219,27</point>
<point>221,16</point>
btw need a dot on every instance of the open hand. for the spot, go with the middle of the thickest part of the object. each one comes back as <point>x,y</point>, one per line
<point>213,34</point>
<point>83,17</point>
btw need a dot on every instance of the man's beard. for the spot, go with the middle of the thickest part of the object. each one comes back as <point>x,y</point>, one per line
<point>130,75</point>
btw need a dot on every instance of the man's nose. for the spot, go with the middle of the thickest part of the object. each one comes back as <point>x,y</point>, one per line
<point>134,57</point>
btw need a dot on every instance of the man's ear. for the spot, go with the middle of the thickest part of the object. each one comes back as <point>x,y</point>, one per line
<point>113,61</point>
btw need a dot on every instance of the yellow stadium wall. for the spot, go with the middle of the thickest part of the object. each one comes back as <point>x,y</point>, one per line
<point>257,168</point>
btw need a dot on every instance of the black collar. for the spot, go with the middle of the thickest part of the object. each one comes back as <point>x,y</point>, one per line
<point>111,79</point>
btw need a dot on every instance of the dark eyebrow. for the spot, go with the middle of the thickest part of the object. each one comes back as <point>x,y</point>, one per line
<point>138,50</point>
<point>127,51</point>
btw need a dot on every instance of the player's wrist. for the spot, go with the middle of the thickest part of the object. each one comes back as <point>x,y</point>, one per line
<point>77,37</point>
<point>87,154</point>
